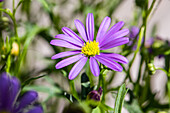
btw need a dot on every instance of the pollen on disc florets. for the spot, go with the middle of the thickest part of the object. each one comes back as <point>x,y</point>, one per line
<point>91,48</point>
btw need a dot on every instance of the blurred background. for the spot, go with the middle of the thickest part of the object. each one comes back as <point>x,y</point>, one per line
<point>40,20</point>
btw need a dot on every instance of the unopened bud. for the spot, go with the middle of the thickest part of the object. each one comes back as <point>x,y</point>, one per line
<point>152,68</point>
<point>94,97</point>
<point>4,22</point>
<point>15,49</point>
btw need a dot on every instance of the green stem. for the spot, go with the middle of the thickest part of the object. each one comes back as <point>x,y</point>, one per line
<point>89,74</point>
<point>140,69</point>
<point>13,6</point>
<point>168,86</point>
<point>102,110</point>
<point>104,88</point>
<point>162,70</point>
<point>73,89</point>
<point>8,63</point>
<point>100,79</point>
<point>101,83</point>
<point>136,51</point>
<point>7,11</point>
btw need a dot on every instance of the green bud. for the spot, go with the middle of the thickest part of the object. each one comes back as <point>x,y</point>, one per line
<point>152,68</point>
<point>4,22</point>
<point>157,44</point>
<point>5,19</point>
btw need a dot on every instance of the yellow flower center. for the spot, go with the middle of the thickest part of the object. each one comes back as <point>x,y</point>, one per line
<point>91,48</point>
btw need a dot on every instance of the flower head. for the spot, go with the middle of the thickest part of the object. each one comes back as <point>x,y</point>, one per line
<point>89,47</point>
<point>1,0</point>
<point>11,102</point>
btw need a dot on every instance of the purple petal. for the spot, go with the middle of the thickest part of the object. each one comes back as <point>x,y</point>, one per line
<point>69,39</point>
<point>77,68</point>
<point>94,67</point>
<point>81,29</point>
<point>63,43</point>
<point>27,99</point>
<point>90,26</point>
<point>115,36</point>
<point>109,63</point>
<point>64,54</point>
<point>4,87</point>
<point>103,28</point>
<point>37,109</point>
<point>112,30</point>
<point>70,33</point>
<point>68,61</point>
<point>116,57</point>
<point>14,90</point>
<point>114,43</point>
<point>9,89</point>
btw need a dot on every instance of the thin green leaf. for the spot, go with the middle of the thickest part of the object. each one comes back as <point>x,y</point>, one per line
<point>32,79</point>
<point>120,99</point>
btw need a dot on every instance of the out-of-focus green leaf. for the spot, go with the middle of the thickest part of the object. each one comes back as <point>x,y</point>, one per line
<point>120,99</point>
<point>26,6</point>
<point>45,89</point>
<point>45,4</point>
<point>106,107</point>
<point>96,110</point>
<point>133,107</point>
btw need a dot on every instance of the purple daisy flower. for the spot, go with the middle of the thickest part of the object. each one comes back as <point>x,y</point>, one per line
<point>11,102</point>
<point>88,48</point>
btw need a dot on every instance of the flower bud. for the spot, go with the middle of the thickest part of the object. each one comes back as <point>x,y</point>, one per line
<point>94,97</point>
<point>4,22</point>
<point>152,69</point>
<point>15,49</point>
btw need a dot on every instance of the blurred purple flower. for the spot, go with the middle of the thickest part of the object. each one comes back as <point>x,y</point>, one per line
<point>148,44</point>
<point>9,100</point>
<point>90,48</point>
<point>1,0</point>
<point>134,31</point>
